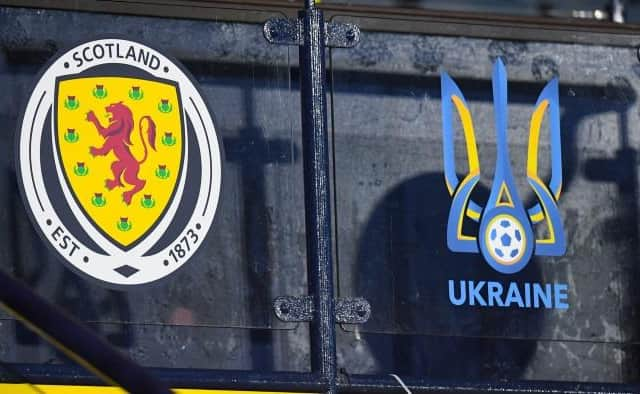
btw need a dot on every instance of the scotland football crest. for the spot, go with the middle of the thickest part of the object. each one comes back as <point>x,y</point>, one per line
<point>119,161</point>
<point>506,227</point>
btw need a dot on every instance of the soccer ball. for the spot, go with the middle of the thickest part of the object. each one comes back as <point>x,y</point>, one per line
<point>505,239</point>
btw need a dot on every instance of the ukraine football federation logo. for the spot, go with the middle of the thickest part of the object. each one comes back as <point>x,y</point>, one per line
<point>506,228</point>
<point>119,161</point>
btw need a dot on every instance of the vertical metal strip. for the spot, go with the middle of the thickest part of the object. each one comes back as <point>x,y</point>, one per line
<point>317,194</point>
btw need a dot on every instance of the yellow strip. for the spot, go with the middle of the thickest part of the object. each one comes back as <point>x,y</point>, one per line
<point>60,346</point>
<point>552,234</point>
<point>461,217</point>
<point>472,155</point>
<point>534,139</point>
<point>532,167</point>
<point>24,388</point>
<point>469,134</point>
<point>504,191</point>
<point>557,192</point>
<point>473,214</point>
<point>537,217</point>
<point>448,186</point>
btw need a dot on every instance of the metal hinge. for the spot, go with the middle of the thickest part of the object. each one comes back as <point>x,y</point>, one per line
<point>294,309</point>
<point>300,309</point>
<point>352,310</point>
<point>283,31</point>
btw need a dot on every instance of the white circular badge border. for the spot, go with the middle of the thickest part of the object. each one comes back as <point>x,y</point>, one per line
<point>102,266</point>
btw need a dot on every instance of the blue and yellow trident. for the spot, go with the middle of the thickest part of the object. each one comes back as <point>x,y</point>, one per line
<point>506,237</point>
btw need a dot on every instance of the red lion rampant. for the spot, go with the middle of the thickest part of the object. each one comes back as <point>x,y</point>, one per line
<point>117,137</point>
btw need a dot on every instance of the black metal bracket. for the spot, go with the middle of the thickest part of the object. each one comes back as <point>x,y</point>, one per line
<point>352,310</point>
<point>292,309</point>
<point>284,31</point>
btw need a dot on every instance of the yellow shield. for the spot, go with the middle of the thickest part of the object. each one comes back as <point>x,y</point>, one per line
<point>120,145</point>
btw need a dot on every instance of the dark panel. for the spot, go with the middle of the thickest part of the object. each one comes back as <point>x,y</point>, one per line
<point>392,207</point>
<point>216,311</point>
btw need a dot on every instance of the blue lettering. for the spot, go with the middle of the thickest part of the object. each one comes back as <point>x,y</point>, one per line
<point>541,295</point>
<point>561,296</point>
<point>474,293</point>
<point>452,293</point>
<point>527,295</point>
<point>513,295</point>
<point>495,292</point>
